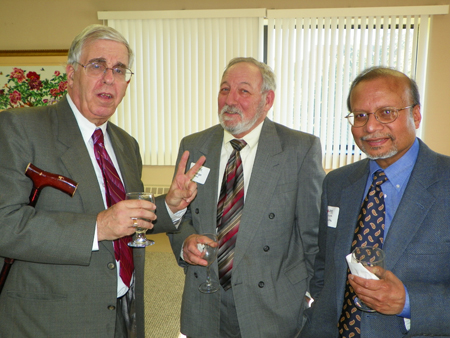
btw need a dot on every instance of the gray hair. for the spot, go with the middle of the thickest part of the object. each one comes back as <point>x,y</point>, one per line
<point>378,72</point>
<point>267,74</point>
<point>93,33</point>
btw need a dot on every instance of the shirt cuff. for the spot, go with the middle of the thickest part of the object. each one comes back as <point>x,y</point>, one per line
<point>406,313</point>
<point>176,217</point>
<point>95,243</point>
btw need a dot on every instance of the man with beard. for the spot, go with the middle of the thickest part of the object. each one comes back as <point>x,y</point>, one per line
<point>266,217</point>
<point>411,222</point>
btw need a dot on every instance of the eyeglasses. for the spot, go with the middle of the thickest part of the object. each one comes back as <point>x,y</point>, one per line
<point>98,69</point>
<point>383,115</point>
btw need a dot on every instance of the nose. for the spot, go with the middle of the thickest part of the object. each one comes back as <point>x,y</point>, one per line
<point>373,124</point>
<point>108,76</point>
<point>230,99</point>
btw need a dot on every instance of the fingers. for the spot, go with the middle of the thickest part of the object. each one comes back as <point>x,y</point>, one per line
<point>386,295</point>
<point>193,171</point>
<point>122,219</point>
<point>183,163</point>
<point>191,253</point>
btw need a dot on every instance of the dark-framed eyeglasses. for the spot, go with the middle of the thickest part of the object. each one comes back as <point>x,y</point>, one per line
<point>383,115</point>
<point>98,69</point>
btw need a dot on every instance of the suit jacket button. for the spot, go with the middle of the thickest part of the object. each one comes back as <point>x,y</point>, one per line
<point>271,215</point>
<point>195,275</point>
<point>111,266</point>
<point>261,284</point>
<point>266,248</point>
<point>111,307</point>
<point>197,211</point>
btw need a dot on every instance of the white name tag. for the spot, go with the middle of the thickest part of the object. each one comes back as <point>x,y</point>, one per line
<point>201,175</point>
<point>333,214</point>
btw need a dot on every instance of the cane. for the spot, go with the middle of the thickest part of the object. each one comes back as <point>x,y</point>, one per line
<point>41,179</point>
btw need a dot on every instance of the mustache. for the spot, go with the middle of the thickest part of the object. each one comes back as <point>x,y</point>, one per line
<point>231,109</point>
<point>374,136</point>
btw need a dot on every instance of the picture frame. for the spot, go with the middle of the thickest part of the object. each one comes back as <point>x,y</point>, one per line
<point>32,77</point>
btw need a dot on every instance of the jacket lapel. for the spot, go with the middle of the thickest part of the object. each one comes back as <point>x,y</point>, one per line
<point>268,158</point>
<point>75,158</point>
<point>413,208</point>
<point>210,146</point>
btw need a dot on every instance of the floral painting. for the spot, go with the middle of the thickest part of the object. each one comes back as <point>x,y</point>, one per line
<point>31,86</point>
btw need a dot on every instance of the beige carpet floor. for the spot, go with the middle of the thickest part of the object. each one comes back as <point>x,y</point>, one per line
<point>164,281</point>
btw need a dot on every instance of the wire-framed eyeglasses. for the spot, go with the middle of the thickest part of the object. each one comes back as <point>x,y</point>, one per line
<point>383,115</point>
<point>98,69</point>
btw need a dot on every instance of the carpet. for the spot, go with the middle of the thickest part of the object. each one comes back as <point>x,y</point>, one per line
<point>164,281</point>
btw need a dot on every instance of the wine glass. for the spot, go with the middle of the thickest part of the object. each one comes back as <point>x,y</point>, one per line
<point>209,251</point>
<point>370,257</point>
<point>141,240</point>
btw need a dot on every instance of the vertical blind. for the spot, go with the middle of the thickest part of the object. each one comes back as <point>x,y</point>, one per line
<point>315,54</point>
<point>179,61</point>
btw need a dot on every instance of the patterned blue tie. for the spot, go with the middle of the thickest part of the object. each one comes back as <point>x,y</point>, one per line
<point>369,231</point>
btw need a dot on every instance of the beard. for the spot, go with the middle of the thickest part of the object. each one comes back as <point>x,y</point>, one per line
<point>381,156</point>
<point>244,125</point>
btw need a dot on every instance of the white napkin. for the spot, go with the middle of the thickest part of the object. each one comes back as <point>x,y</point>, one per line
<point>358,269</point>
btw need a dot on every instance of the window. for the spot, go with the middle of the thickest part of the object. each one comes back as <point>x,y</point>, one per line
<point>315,54</point>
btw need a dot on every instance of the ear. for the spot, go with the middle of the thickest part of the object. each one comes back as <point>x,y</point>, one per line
<point>70,71</point>
<point>417,116</point>
<point>270,98</point>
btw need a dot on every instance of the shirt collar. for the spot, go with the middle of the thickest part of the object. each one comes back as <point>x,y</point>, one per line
<point>399,171</point>
<point>87,128</point>
<point>251,138</point>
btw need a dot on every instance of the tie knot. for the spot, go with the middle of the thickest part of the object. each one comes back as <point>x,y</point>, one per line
<point>238,145</point>
<point>97,136</point>
<point>379,177</point>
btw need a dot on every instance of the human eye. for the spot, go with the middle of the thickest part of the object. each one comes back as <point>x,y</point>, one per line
<point>224,90</point>
<point>387,111</point>
<point>120,70</point>
<point>97,65</point>
<point>360,115</point>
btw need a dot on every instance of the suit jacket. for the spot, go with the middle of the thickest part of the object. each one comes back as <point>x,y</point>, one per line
<point>277,238</point>
<point>417,249</point>
<point>58,286</point>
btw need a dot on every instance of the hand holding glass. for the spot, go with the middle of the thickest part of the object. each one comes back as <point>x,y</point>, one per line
<point>208,251</point>
<point>370,258</point>
<point>141,240</point>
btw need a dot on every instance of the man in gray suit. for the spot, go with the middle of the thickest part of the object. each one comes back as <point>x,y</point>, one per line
<point>276,240</point>
<point>66,280</point>
<point>411,298</point>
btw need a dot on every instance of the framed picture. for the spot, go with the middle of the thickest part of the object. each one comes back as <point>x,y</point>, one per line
<point>32,78</point>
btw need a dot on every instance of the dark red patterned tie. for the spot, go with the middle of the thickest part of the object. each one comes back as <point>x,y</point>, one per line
<point>114,192</point>
<point>229,210</point>
<point>369,231</point>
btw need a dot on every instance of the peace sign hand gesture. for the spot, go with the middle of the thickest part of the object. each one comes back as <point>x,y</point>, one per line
<point>183,190</point>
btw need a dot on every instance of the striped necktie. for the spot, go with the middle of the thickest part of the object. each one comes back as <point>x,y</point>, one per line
<point>369,231</point>
<point>114,192</point>
<point>229,210</point>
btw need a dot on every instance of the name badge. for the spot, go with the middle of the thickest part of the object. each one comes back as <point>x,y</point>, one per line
<point>333,214</point>
<point>201,175</point>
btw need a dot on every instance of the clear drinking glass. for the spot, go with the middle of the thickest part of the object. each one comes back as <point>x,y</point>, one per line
<point>370,258</point>
<point>141,240</point>
<point>209,253</point>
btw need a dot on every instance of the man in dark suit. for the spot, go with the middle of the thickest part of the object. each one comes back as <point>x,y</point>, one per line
<point>276,239</point>
<point>412,295</point>
<point>67,279</point>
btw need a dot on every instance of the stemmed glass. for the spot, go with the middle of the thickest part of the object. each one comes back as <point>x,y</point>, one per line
<point>370,257</point>
<point>141,240</point>
<point>209,251</point>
